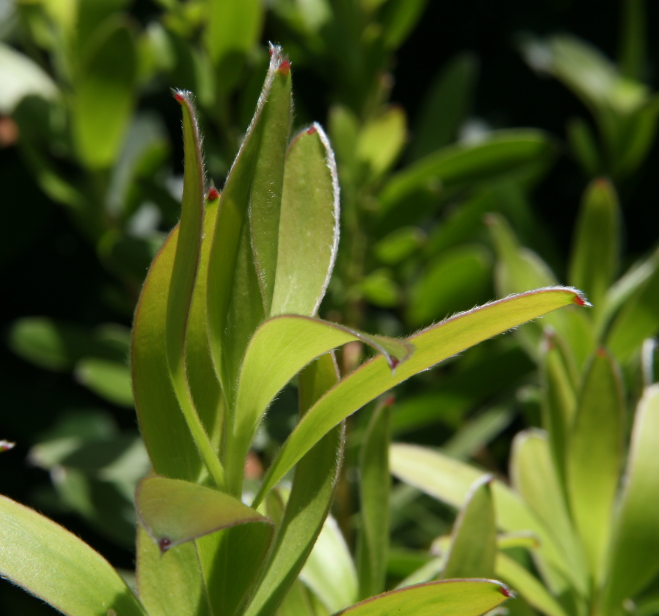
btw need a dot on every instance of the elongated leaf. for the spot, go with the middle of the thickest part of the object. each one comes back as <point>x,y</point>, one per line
<point>381,139</point>
<point>104,94</point>
<point>449,480</point>
<point>175,511</point>
<point>108,379</point>
<point>502,153</point>
<point>329,571</point>
<point>536,479</point>
<point>595,457</point>
<point>595,251</point>
<point>474,538</point>
<point>311,496</point>
<point>528,586</point>
<point>431,346</point>
<point>633,558</point>
<point>170,584</point>
<point>375,484</point>
<point>235,300</point>
<point>448,598</point>
<point>308,225</point>
<point>280,348</point>
<point>54,565</point>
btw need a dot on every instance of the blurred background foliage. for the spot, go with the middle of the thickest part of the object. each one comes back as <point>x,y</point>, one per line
<point>466,136</point>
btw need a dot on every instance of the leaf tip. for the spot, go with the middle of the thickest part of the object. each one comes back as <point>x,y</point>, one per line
<point>312,130</point>
<point>507,592</point>
<point>390,401</point>
<point>6,445</point>
<point>284,68</point>
<point>601,352</point>
<point>181,96</point>
<point>580,299</point>
<point>164,543</point>
<point>212,194</point>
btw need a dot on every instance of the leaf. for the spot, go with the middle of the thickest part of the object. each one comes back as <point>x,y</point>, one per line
<point>235,300</point>
<point>381,140</point>
<point>595,252</point>
<point>447,598</point>
<point>528,586</point>
<point>329,571</point>
<point>170,584</point>
<point>536,479</point>
<point>595,457</point>
<point>449,480</point>
<point>104,93</point>
<point>374,488</point>
<point>174,511</point>
<point>279,349</point>
<point>474,537</point>
<point>431,346</point>
<point>54,565</point>
<point>108,379</point>
<point>312,493</point>
<point>584,146</point>
<point>633,557</point>
<point>308,225</point>
<point>446,105</point>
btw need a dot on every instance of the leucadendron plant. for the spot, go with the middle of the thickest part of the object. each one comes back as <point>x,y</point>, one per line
<point>226,318</point>
<point>583,498</point>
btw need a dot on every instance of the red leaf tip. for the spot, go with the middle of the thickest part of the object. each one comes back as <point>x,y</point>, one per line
<point>580,300</point>
<point>212,194</point>
<point>600,352</point>
<point>164,544</point>
<point>284,68</point>
<point>6,445</point>
<point>390,401</point>
<point>179,95</point>
<point>506,592</point>
<point>312,130</point>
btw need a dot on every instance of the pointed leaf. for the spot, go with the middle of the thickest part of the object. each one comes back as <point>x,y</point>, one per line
<point>431,346</point>
<point>308,225</point>
<point>474,537</point>
<point>595,457</point>
<point>633,559</point>
<point>169,584</point>
<point>235,300</point>
<point>279,349</point>
<point>595,251</point>
<point>175,511</point>
<point>448,598</point>
<point>51,563</point>
<point>374,486</point>
<point>310,498</point>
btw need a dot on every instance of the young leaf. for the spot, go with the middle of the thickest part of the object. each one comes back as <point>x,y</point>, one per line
<point>375,480</point>
<point>633,557</point>
<point>381,140</point>
<point>595,457</point>
<point>595,251</point>
<point>308,225</point>
<point>431,346</point>
<point>54,565</point>
<point>474,538</point>
<point>311,496</point>
<point>447,598</point>
<point>169,584</point>
<point>174,511</point>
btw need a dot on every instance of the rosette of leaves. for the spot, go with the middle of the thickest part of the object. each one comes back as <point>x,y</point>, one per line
<point>227,316</point>
<point>583,494</point>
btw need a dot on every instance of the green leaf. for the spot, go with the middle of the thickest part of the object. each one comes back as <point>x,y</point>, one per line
<point>374,485</point>
<point>536,479</point>
<point>174,511</point>
<point>312,493</point>
<point>104,93</point>
<point>399,19</point>
<point>399,245</point>
<point>633,39</point>
<point>527,585</point>
<point>595,252</point>
<point>633,557</point>
<point>447,598</point>
<point>449,480</point>
<point>445,105</point>
<point>235,300</point>
<point>478,432</point>
<point>329,571</point>
<point>502,153</point>
<point>431,346</point>
<point>381,140</point>
<point>108,379</point>
<point>474,538</point>
<point>169,584</point>
<point>379,289</point>
<point>308,225</point>
<point>595,457</point>
<point>584,146</point>
<point>54,565</point>
<point>279,349</point>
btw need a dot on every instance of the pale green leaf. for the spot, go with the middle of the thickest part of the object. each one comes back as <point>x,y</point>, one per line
<point>54,565</point>
<point>381,140</point>
<point>108,379</point>
<point>430,347</point>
